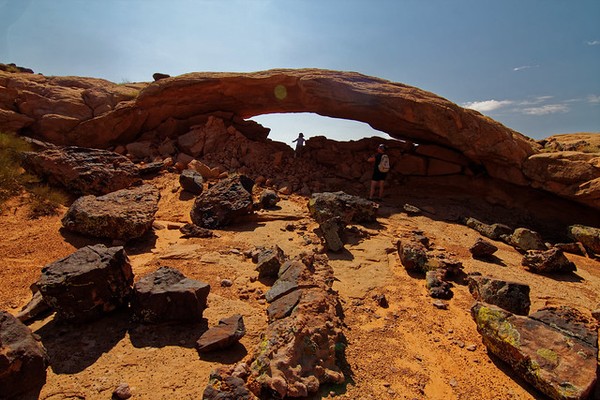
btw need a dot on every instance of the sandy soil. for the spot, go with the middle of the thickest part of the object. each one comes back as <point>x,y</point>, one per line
<point>410,350</point>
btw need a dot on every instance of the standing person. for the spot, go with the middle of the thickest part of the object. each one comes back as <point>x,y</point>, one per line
<point>381,166</point>
<point>299,144</point>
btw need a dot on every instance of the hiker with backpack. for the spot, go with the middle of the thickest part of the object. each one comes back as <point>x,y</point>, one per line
<point>381,162</point>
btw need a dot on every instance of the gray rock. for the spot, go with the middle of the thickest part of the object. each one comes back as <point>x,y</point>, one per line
<point>324,206</point>
<point>228,332</point>
<point>493,231</point>
<point>525,239</point>
<point>290,279</point>
<point>542,349</point>
<point>269,261</point>
<point>283,306</point>
<point>36,308</point>
<point>269,199</point>
<point>192,230</point>
<point>23,360</point>
<point>223,203</point>
<point>332,231</point>
<point>223,386</point>
<point>483,249</point>
<point>587,235</point>
<point>511,296</point>
<point>413,255</point>
<point>122,392</point>
<point>83,170</point>
<point>544,261</point>
<point>167,295</point>
<point>437,286</point>
<point>125,214</point>
<point>191,181</point>
<point>87,284</point>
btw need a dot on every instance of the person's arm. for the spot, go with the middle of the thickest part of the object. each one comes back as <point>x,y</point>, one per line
<point>371,159</point>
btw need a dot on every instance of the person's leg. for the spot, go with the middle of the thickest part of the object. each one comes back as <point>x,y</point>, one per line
<point>372,192</point>
<point>381,189</point>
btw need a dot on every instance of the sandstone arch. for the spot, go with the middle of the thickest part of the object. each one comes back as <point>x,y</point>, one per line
<point>97,113</point>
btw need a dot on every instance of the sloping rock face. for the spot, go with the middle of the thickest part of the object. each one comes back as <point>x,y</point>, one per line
<point>552,349</point>
<point>97,113</point>
<point>124,214</point>
<point>83,170</point>
<point>23,360</point>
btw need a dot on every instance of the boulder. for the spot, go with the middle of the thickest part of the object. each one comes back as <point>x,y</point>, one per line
<point>157,76</point>
<point>83,170</point>
<point>269,199</point>
<point>191,181</point>
<point>557,362</point>
<point>544,261</point>
<point>483,249</point>
<point>88,283</point>
<point>511,296</point>
<point>223,203</point>
<point>166,295</point>
<point>324,206</point>
<point>269,261</point>
<point>587,235</point>
<point>23,360</point>
<point>125,214</point>
<point>524,239</point>
<point>228,332</point>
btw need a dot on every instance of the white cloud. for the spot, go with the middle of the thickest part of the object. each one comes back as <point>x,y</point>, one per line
<point>487,105</point>
<point>546,109</point>
<point>593,98</point>
<point>593,42</point>
<point>522,67</point>
<point>535,100</point>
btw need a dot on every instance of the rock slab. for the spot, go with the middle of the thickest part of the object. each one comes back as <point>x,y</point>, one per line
<point>228,332</point>
<point>556,362</point>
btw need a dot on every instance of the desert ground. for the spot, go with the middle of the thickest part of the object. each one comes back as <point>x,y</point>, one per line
<point>409,350</point>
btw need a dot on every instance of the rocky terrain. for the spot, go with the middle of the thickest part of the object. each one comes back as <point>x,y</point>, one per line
<point>404,328</point>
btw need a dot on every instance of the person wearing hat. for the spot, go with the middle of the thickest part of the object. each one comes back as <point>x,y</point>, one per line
<point>381,166</point>
<point>300,142</point>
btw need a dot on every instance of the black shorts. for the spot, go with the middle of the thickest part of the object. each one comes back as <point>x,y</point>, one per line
<point>378,175</point>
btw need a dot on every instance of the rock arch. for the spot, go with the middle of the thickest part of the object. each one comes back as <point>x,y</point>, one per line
<point>97,113</point>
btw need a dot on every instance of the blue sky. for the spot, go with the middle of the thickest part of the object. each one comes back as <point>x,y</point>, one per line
<point>533,65</point>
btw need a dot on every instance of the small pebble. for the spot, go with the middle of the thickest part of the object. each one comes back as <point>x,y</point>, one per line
<point>472,347</point>
<point>122,392</point>
<point>226,283</point>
